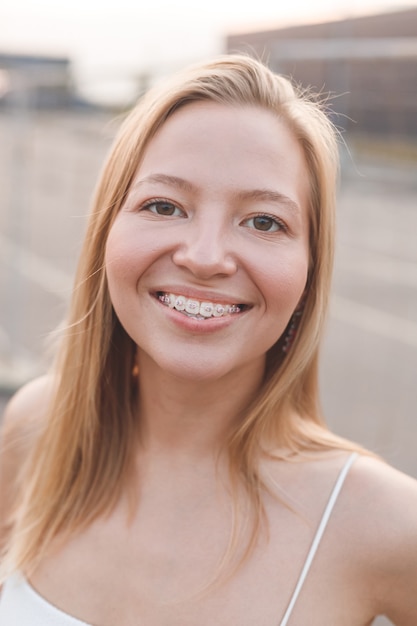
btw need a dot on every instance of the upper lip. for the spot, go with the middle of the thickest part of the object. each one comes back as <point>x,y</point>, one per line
<point>202,295</point>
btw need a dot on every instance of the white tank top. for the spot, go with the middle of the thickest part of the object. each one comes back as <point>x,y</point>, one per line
<point>21,605</point>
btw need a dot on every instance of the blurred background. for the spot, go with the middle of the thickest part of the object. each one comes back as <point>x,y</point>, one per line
<point>69,69</point>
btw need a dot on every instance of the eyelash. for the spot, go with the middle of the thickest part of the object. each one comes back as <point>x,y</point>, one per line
<point>279,225</point>
<point>155,202</point>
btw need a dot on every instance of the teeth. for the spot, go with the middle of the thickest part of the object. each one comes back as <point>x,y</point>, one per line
<point>192,306</point>
<point>179,303</point>
<point>206,309</point>
<point>195,308</point>
<point>220,310</point>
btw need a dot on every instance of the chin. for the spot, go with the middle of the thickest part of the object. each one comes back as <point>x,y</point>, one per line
<point>197,372</point>
<point>200,368</point>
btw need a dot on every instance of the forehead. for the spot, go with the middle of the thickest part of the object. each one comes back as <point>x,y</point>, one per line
<point>230,146</point>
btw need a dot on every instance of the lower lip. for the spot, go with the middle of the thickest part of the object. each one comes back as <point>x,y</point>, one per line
<point>190,324</point>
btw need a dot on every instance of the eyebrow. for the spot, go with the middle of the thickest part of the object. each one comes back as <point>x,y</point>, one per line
<point>166,179</point>
<point>261,195</point>
<point>268,195</point>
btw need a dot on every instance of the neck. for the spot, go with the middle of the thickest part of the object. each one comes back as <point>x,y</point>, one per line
<point>192,417</point>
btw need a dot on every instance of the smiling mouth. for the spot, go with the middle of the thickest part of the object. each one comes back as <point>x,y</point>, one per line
<point>198,309</point>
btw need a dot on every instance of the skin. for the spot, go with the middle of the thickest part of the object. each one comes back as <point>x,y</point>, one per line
<point>195,378</point>
<point>210,248</point>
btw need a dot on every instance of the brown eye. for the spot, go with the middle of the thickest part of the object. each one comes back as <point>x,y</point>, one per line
<point>265,223</point>
<point>161,207</point>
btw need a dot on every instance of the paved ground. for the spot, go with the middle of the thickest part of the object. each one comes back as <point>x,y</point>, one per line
<point>48,166</point>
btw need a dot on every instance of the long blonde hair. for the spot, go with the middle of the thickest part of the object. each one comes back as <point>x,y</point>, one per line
<point>83,459</point>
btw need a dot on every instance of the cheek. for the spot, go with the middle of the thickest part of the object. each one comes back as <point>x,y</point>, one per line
<point>115,259</point>
<point>122,268</point>
<point>125,256</point>
<point>283,282</point>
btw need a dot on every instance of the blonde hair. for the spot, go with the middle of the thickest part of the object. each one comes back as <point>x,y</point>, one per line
<point>83,459</point>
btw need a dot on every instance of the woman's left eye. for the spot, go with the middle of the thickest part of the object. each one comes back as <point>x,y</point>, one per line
<point>163,207</point>
<point>265,223</point>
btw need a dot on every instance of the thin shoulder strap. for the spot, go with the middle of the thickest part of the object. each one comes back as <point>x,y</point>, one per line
<point>318,536</point>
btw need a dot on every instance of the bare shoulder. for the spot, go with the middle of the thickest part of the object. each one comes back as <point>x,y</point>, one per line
<point>382,492</point>
<point>378,515</point>
<point>28,403</point>
<point>22,422</point>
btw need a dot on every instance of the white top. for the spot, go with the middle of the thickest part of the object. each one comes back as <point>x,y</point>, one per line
<point>21,605</point>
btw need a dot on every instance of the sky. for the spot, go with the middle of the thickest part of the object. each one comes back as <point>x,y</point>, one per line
<point>108,41</point>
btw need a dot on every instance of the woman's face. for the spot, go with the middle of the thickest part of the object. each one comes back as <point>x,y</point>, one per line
<point>208,257</point>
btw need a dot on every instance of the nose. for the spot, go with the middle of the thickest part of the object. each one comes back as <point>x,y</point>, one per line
<point>205,250</point>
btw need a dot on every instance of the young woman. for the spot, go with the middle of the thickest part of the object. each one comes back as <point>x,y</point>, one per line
<point>174,468</point>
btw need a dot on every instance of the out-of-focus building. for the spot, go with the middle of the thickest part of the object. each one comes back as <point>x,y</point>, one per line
<point>367,64</point>
<point>44,82</point>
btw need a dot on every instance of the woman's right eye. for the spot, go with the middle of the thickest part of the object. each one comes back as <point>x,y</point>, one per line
<point>163,207</point>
